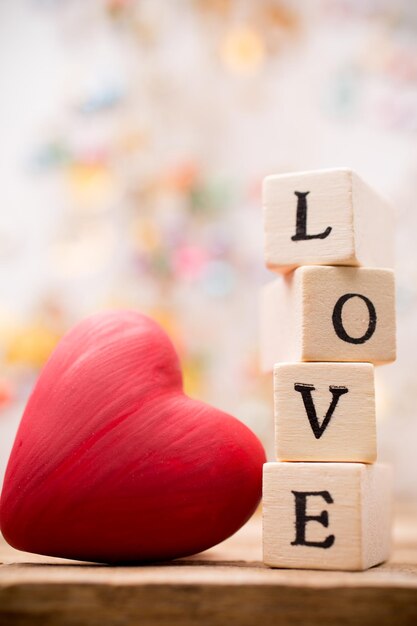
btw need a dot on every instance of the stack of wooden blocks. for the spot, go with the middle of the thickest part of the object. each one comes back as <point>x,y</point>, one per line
<point>325,322</point>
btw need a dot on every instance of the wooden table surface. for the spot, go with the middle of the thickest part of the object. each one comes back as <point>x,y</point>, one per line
<point>225,585</point>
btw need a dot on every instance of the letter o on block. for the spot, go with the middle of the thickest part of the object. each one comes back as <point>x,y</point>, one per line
<point>338,322</point>
<point>329,314</point>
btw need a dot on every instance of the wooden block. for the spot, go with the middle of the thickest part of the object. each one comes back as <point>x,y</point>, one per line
<point>325,412</point>
<point>325,217</point>
<point>326,515</point>
<point>329,314</point>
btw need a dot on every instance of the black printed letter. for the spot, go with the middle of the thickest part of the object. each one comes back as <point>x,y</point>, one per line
<point>305,391</point>
<point>301,223</point>
<point>301,519</point>
<point>338,324</point>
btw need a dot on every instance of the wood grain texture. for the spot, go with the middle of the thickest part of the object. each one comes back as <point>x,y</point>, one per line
<point>350,433</point>
<point>361,222</point>
<point>352,504</point>
<point>297,316</point>
<point>227,584</point>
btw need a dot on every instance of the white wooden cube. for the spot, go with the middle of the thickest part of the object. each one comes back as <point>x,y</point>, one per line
<point>328,314</point>
<point>334,516</point>
<point>325,412</point>
<point>325,217</point>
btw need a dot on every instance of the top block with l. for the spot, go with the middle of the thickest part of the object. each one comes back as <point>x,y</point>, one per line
<point>325,217</point>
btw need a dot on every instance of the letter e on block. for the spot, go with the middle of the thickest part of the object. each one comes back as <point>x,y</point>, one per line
<point>334,516</point>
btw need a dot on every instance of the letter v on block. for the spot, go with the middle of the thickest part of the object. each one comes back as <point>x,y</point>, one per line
<point>313,422</point>
<point>306,392</point>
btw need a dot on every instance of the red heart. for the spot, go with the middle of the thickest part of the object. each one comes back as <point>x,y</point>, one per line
<point>112,462</point>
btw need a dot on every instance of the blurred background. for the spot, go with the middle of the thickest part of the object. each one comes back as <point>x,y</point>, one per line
<point>134,139</point>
